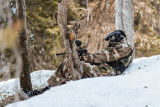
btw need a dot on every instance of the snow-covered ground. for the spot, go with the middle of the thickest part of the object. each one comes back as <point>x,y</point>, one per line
<point>138,87</point>
<point>9,88</point>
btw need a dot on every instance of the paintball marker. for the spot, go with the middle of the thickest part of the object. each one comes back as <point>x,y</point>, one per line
<point>80,51</point>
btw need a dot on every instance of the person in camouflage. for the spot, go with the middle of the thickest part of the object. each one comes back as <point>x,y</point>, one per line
<point>111,61</point>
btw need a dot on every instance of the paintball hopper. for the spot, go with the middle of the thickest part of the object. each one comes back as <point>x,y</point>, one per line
<point>116,36</point>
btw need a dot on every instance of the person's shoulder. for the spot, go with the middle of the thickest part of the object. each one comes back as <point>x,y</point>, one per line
<point>124,44</point>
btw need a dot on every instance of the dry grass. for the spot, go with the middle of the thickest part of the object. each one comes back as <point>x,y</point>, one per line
<point>146,46</point>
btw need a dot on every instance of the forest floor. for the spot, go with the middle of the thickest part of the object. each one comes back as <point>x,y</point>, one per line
<point>138,87</point>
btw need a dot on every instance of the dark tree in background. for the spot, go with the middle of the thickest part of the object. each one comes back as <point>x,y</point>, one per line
<point>25,79</point>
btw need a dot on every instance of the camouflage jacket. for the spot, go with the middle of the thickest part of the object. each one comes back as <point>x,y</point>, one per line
<point>118,56</point>
<point>113,60</point>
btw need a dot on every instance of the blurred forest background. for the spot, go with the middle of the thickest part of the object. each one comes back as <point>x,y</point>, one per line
<point>97,18</point>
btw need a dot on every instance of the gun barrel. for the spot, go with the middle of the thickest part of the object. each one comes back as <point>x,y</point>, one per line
<point>60,53</point>
<point>80,52</point>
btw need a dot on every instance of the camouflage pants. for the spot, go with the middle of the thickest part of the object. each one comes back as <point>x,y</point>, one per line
<point>62,75</point>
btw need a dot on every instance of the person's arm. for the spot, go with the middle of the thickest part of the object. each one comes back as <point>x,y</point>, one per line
<point>107,55</point>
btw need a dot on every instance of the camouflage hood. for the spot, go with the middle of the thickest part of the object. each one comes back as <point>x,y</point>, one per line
<point>123,43</point>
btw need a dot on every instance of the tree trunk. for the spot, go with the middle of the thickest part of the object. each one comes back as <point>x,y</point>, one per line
<point>124,18</point>
<point>74,66</point>
<point>5,13</point>
<point>25,79</point>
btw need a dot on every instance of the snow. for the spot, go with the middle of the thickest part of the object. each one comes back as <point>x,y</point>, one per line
<point>137,87</point>
<point>38,78</point>
<point>14,10</point>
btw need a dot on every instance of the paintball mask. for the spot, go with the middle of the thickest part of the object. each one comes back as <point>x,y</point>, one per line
<point>116,36</point>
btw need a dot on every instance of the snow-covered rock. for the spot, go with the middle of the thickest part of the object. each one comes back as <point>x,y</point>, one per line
<point>138,87</point>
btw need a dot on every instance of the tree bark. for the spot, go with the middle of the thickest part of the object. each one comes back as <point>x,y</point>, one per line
<point>119,14</point>
<point>74,66</point>
<point>124,18</point>
<point>25,79</point>
<point>5,14</point>
<point>5,21</point>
